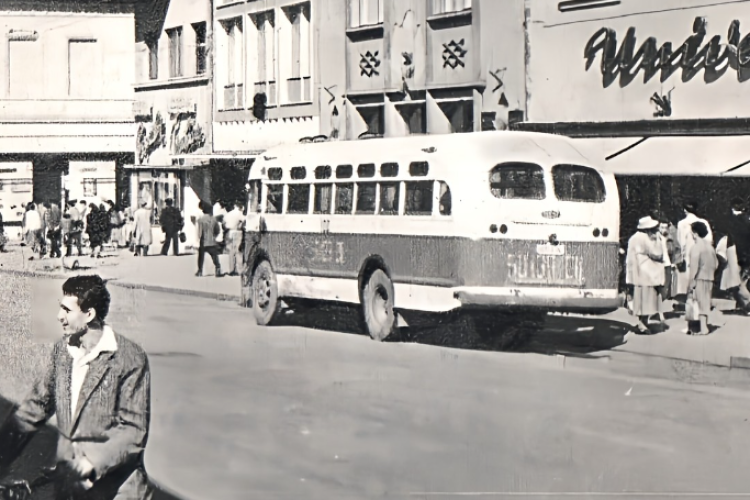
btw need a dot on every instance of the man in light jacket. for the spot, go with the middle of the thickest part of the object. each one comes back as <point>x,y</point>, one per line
<point>208,229</point>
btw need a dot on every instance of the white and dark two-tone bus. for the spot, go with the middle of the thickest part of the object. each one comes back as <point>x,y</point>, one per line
<point>498,221</point>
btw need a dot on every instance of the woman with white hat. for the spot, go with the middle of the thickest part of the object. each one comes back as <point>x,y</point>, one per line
<point>645,271</point>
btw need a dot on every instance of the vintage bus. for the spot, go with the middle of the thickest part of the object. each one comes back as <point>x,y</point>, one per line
<point>493,221</point>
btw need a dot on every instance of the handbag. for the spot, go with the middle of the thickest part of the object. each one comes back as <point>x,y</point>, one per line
<point>692,311</point>
<point>182,237</point>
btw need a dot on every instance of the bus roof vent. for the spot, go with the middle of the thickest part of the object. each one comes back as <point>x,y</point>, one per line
<point>369,135</point>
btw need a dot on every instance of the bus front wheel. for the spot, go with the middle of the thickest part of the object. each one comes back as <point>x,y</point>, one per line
<point>377,306</point>
<point>265,294</point>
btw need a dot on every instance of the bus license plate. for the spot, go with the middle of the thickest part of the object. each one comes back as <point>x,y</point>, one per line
<point>547,249</point>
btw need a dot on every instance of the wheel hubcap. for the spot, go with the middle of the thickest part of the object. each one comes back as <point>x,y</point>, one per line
<point>263,292</point>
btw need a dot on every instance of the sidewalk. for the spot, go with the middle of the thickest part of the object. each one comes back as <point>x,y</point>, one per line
<point>728,346</point>
<point>154,272</point>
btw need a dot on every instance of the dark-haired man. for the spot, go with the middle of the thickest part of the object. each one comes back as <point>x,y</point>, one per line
<point>171,224</point>
<point>98,384</point>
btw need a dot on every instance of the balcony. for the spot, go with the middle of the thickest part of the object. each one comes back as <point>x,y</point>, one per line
<point>66,110</point>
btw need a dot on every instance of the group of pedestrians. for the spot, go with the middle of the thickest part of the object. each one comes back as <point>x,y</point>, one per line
<point>219,230</point>
<point>45,226</point>
<point>680,262</point>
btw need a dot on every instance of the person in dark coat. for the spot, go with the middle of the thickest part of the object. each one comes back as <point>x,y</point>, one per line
<point>208,229</point>
<point>95,229</point>
<point>171,224</point>
<point>98,385</point>
<point>733,250</point>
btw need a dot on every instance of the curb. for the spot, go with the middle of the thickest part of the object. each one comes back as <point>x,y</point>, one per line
<point>131,286</point>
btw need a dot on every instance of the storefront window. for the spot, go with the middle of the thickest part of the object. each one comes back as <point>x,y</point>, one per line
<point>155,189</point>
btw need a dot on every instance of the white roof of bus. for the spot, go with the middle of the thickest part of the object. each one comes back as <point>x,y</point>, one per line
<point>494,146</point>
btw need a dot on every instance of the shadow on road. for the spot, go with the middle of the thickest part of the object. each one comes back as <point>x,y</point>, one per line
<point>40,453</point>
<point>570,335</point>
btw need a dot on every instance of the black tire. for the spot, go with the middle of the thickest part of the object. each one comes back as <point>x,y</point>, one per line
<point>505,330</point>
<point>265,294</point>
<point>377,306</point>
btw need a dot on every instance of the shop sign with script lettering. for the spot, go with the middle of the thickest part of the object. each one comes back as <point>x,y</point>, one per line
<point>697,54</point>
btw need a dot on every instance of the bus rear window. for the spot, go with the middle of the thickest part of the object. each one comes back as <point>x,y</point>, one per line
<point>518,181</point>
<point>577,183</point>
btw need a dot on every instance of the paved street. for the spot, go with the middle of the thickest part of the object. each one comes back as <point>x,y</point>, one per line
<point>295,412</point>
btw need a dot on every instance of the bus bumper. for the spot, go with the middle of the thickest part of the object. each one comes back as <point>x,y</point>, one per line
<point>552,299</point>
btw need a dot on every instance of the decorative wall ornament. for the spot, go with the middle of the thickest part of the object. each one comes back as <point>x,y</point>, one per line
<point>369,64</point>
<point>498,75</point>
<point>454,54</point>
<point>187,135</point>
<point>663,104</point>
<point>149,141</point>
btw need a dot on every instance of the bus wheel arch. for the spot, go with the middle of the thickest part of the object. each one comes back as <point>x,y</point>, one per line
<point>377,299</point>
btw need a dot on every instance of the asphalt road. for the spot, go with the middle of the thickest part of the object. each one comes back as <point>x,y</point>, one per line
<point>312,410</point>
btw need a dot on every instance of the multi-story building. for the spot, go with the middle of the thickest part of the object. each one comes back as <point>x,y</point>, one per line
<point>172,104</point>
<point>661,94</point>
<point>66,124</point>
<point>399,67</point>
<point>265,89</point>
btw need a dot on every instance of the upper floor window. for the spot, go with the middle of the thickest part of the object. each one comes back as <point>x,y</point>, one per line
<point>153,58</point>
<point>84,68</point>
<point>229,64</point>
<point>201,49</point>
<point>265,59</point>
<point>448,6</point>
<point>175,52</point>
<point>26,71</point>
<point>295,54</point>
<point>365,12</point>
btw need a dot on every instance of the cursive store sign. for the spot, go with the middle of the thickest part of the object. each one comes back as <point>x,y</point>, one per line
<point>697,54</point>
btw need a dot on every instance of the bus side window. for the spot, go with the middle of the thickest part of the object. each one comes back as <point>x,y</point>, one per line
<point>274,198</point>
<point>253,197</point>
<point>389,198</point>
<point>322,203</point>
<point>419,198</point>
<point>446,201</point>
<point>299,199</point>
<point>366,192</point>
<point>344,198</point>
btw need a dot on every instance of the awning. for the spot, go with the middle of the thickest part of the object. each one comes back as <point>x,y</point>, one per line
<point>677,155</point>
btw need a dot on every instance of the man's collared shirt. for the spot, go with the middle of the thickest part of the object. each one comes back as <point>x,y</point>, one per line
<point>233,220</point>
<point>81,360</point>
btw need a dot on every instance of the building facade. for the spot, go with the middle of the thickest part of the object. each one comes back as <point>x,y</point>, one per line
<point>66,125</point>
<point>399,67</point>
<point>173,106</point>
<point>661,95</point>
<point>265,87</point>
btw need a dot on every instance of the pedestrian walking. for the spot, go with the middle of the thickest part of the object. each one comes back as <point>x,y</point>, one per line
<point>142,238</point>
<point>733,251</point>
<point>74,231</point>
<point>53,221</point>
<point>115,222</point>
<point>32,228</point>
<point>645,271</point>
<point>98,385</point>
<point>171,224</point>
<point>702,265</point>
<point>42,209</point>
<point>208,229</point>
<point>686,241</point>
<point>672,256</point>
<point>96,229</point>
<point>234,222</point>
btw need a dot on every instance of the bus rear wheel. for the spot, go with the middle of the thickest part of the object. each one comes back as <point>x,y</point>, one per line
<point>377,306</point>
<point>265,294</point>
